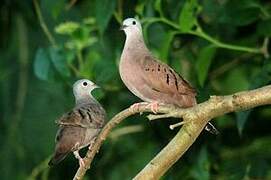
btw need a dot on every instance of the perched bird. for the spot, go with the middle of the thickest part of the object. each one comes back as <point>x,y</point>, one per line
<point>150,79</point>
<point>79,127</point>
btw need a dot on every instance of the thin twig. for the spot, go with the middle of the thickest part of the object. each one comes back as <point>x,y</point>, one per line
<point>70,4</point>
<point>227,66</point>
<point>39,169</point>
<point>125,130</point>
<point>43,24</point>
<point>161,116</point>
<point>264,48</point>
<point>173,126</point>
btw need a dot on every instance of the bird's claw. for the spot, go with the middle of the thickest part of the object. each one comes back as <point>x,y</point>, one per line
<point>92,142</point>
<point>154,107</point>
<point>135,107</point>
<point>81,162</point>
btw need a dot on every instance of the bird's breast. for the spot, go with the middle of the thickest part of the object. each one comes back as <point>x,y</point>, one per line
<point>130,73</point>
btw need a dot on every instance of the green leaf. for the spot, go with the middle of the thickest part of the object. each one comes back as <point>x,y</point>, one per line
<point>201,168</point>
<point>242,12</point>
<point>59,62</point>
<point>42,64</point>
<point>203,63</point>
<point>91,59</point>
<point>104,11</point>
<point>166,45</point>
<point>188,16</point>
<point>139,9</point>
<point>67,28</point>
<point>264,28</point>
<point>236,80</point>
<point>241,120</point>
<point>157,7</point>
<point>89,21</point>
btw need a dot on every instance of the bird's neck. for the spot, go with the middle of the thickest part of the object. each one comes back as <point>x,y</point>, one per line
<point>86,100</point>
<point>134,43</point>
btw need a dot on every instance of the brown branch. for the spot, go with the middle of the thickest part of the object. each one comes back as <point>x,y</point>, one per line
<point>196,118</point>
<point>107,129</point>
<point>199,116</point>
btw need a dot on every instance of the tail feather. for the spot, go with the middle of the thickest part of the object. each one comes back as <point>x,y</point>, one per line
<point>211,128</point>
<point>57,158</point>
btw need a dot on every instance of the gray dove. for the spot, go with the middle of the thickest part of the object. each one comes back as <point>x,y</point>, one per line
<point>150,79</point>
<point>79,127</point>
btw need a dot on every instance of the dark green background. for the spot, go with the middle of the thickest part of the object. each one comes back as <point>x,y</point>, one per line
<point>205,41</point>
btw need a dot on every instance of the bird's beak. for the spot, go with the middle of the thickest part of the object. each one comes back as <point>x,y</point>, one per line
<point>123,27</point>
<point>96,86</point>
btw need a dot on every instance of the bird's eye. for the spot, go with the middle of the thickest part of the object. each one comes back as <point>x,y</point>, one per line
<point>134,22</point>
<point>85,83</point>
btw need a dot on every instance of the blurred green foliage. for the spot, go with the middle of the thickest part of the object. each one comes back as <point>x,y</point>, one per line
<point>220,46</point>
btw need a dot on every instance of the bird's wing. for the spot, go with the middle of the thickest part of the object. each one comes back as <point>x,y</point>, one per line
<point>84,115</point>
<point>162,78</point>
<point>68,139</point>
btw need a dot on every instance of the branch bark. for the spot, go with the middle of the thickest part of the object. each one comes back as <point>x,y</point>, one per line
<point>195,117</point>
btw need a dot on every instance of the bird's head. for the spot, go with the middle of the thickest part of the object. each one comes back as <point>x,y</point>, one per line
<point>131,26</point>
<point>83,87</point>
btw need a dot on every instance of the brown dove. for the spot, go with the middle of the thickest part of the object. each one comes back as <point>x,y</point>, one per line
<point>150,79</point>
<point>79,127</point>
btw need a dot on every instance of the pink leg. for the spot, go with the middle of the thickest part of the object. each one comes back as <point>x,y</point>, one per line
<point>92,143</point>
<point>135,107</point>
<point>77,156</point>
<point>154,106</point>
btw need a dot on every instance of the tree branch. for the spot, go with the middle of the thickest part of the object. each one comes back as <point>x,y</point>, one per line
<point>199,116</point>
<point>196,117</point>
<point>107,129</point>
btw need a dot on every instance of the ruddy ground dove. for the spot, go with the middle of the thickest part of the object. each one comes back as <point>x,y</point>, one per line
<point>150,79</point>
<point>79,127</point>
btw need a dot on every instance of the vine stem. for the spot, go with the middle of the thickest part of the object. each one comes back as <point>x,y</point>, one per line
<point>200,33</point>
<point>43,24</point>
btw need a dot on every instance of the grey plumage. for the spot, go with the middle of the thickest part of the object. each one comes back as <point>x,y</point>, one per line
<point>79,127</point>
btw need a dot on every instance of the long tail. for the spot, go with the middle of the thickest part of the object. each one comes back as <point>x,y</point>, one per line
<point>211,128</point>
<point>57,158</point>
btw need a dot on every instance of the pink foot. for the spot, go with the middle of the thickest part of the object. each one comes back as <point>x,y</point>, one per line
<point>154,106</point>
<point>92,142</point>
<point>135,107</point>
<point>81,162</point>
<point>77,156</point>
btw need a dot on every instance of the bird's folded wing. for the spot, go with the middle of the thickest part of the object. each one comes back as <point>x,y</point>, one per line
<point>164,79</point>
<point>88,116</point>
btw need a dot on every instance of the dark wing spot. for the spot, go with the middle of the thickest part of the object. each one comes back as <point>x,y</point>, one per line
<point>165,69</point>
<point>155,90</point>
<point>152,70</point>
<point>167,79</point>
<point>175,79</point>
<point>89,116</point>
<point>69,113</point>
<point>81,113</point>
<point>59,135</point>
<point>176,83</point>
<point>158,67</point>
<point>147,69</point>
